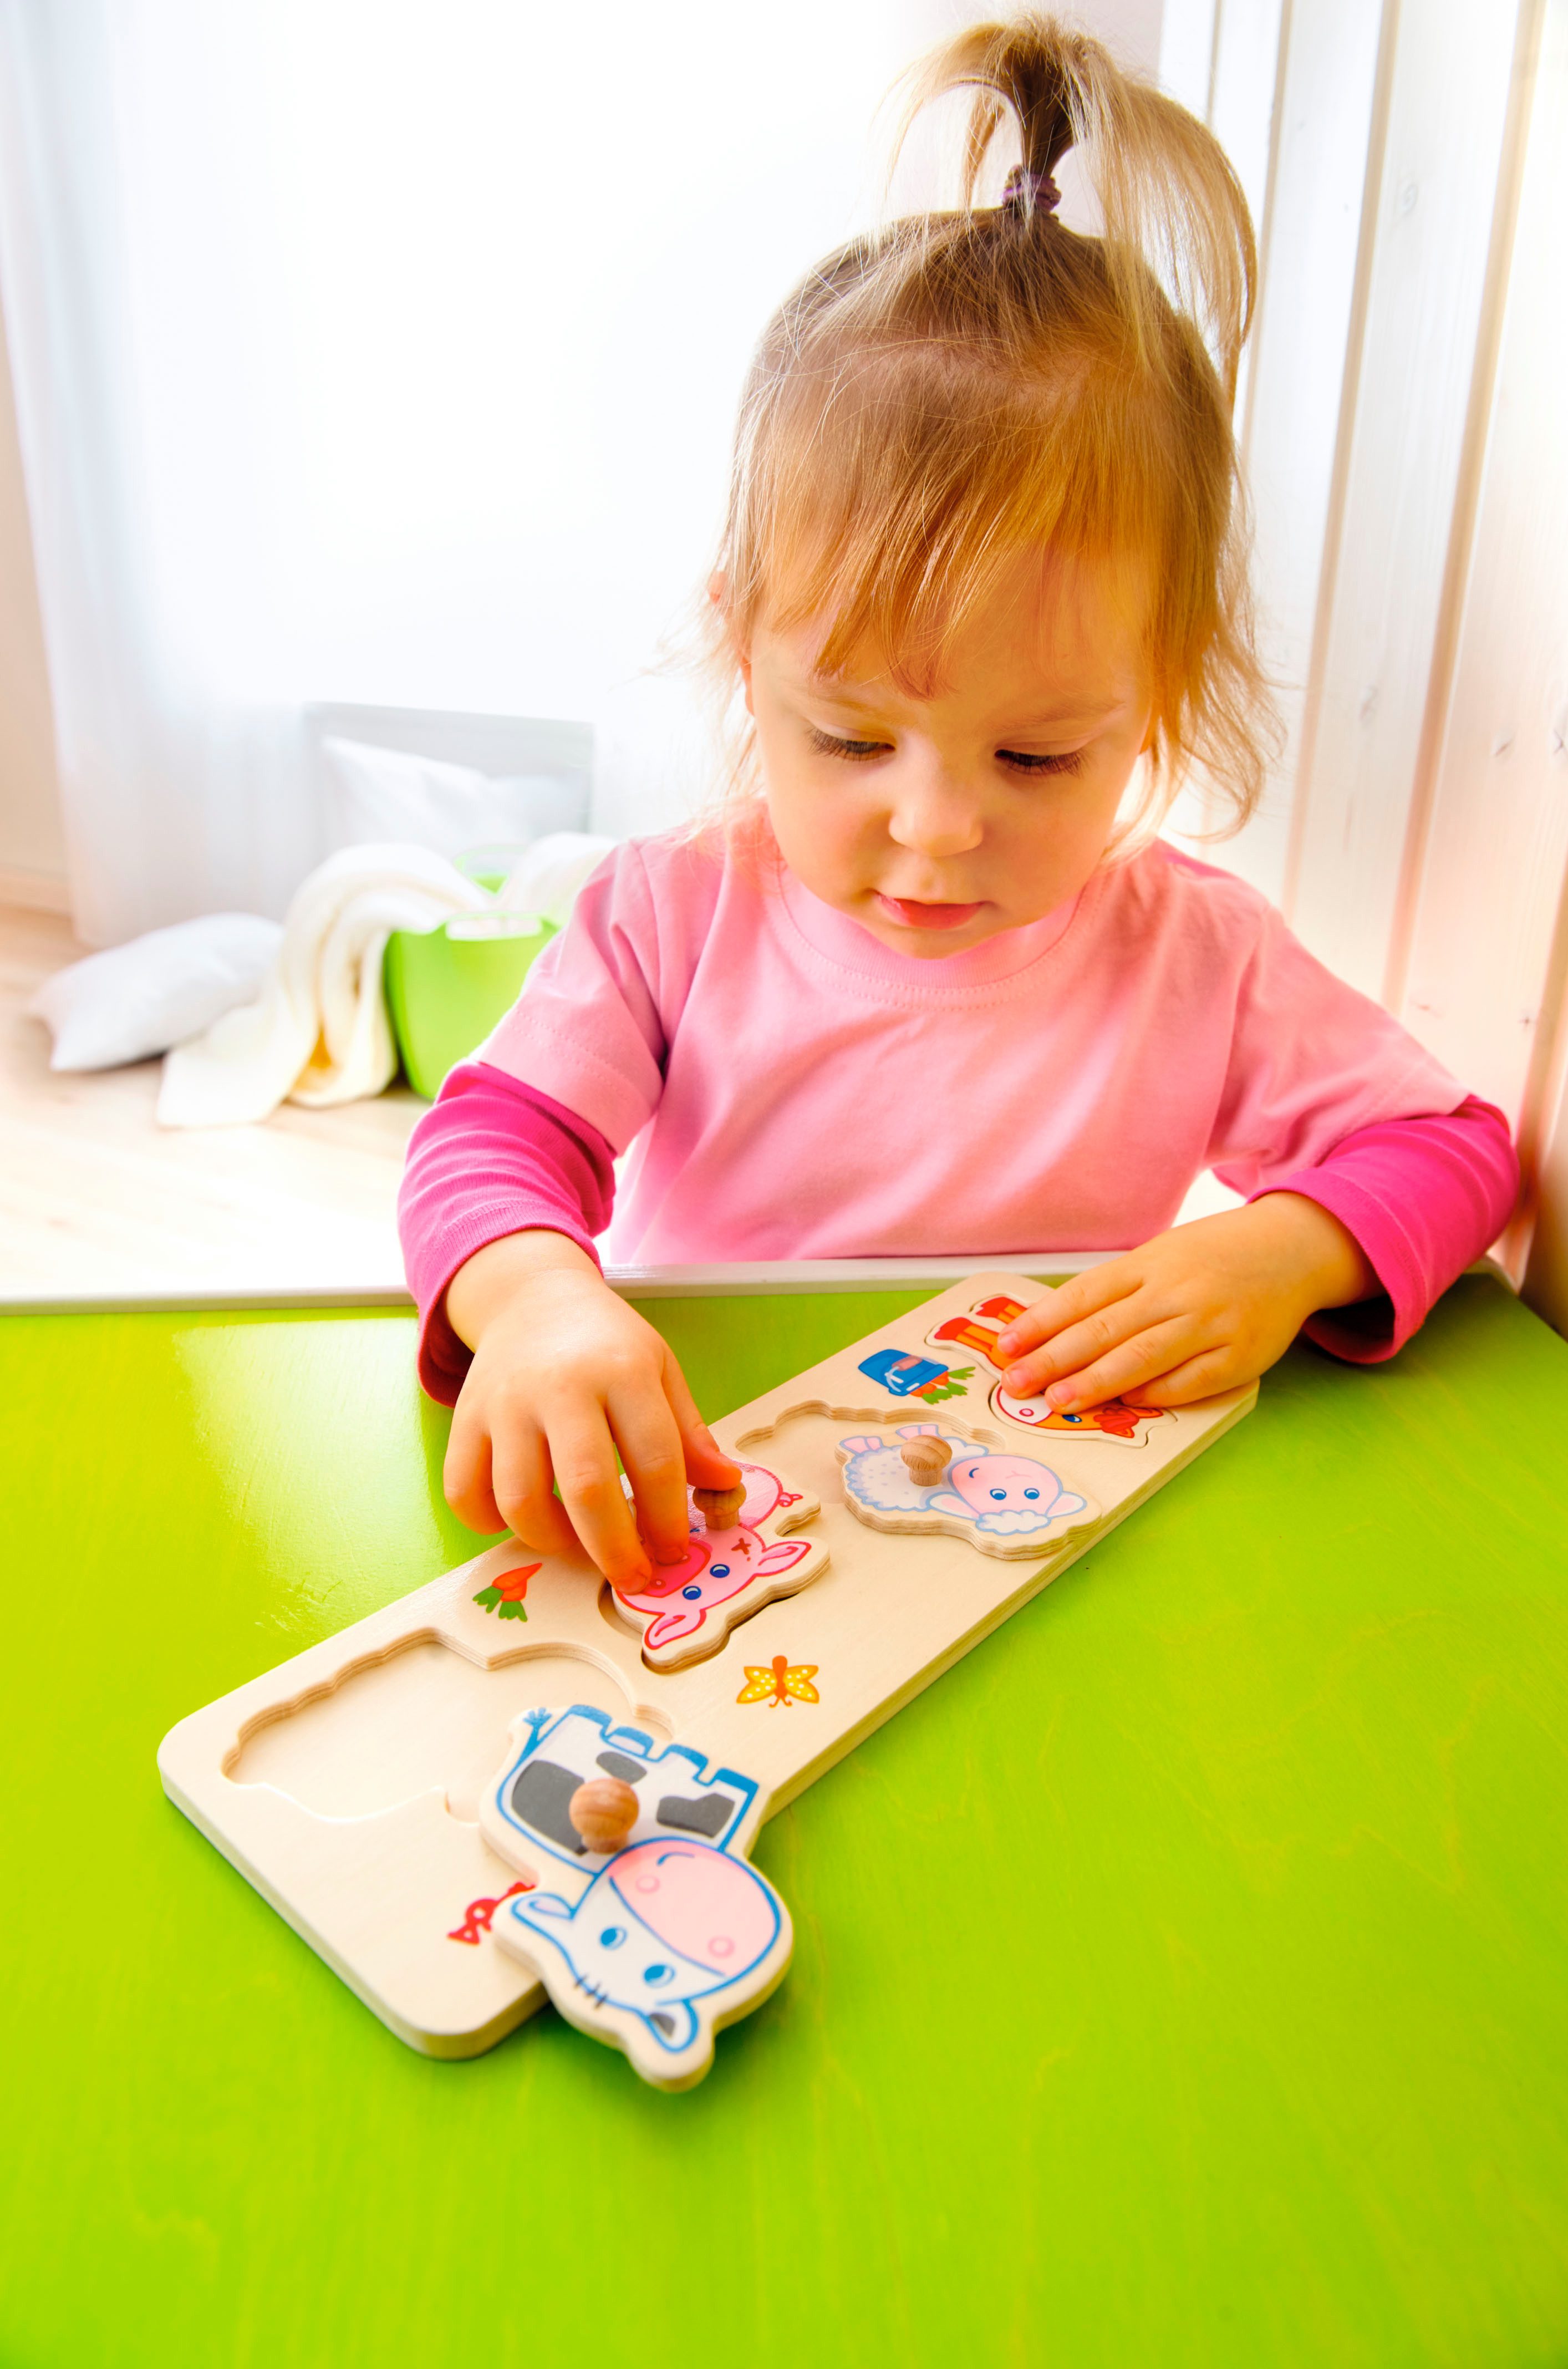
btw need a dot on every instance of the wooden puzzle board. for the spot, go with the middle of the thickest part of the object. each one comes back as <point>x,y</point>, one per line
<point>344,1784</point>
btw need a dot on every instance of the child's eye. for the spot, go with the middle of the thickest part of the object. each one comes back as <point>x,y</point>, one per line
<point>827,744</point>
<point>1070,762</point>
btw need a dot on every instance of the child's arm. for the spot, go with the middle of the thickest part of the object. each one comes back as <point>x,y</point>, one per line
<point>1398,1209</point>
<point>550,1371</point>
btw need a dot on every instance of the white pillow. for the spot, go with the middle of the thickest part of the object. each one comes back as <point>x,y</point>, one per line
<point>136,1000</point>
<point>382,793</point>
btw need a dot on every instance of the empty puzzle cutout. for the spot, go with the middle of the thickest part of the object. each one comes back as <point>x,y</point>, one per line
<point>1003,1504</point>
<point>408,1723</point>
<point>1118,1419</point>
<point>690,1607</point>
<point>654,1946</point>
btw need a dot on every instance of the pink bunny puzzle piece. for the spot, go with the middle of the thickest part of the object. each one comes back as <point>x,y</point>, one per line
<point>727,1575</point>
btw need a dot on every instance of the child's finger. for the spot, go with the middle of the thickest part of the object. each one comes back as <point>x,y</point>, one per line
<point>587,1476</point>
<point>1156,1350</point>
<point>1196,1378</point>
<point>649,1440</point>
<point>520,1480</point>
<point>465,1475</point>
<point>1070,1351</point>
<point>708,1466</point>
<point>1081,1295</point>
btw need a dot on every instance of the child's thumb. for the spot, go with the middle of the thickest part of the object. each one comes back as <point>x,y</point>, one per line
<point>708,1466</point>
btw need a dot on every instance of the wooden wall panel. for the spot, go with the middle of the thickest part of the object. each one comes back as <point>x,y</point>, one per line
<point>1402,432</point>
<point>1327,124</point>
<point>1543,1250</point>
<point>1187,29</point>
<point>1405,418</point>
<point>1486,893</point>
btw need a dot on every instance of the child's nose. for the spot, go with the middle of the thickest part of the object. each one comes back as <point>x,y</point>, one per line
<point>935,814</point>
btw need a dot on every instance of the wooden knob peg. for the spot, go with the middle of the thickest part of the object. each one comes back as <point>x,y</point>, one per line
<point>928,1459</point>
<point>720,1508</point>
<point>603,1811</point>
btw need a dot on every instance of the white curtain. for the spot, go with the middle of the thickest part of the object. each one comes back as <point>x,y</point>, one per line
<point>386,350</point>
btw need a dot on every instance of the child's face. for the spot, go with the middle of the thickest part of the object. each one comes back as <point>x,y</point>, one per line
<point>937,822</point>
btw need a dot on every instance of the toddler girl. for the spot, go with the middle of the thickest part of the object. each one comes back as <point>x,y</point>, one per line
<point>932,985</point>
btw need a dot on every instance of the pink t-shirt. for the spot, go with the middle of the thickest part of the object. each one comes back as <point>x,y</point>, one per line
<point>793,1089</point>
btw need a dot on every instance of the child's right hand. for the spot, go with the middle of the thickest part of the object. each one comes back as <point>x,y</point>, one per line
<point>564,1373</point>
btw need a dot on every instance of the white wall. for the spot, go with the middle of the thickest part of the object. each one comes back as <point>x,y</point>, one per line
<point>390,355</point>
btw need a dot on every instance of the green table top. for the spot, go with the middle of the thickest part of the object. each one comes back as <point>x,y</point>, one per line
<point>1236,2034</point>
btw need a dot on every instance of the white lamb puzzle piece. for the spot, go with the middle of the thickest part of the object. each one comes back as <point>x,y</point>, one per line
<point>1003,1502</point>
<point>653,1947</point>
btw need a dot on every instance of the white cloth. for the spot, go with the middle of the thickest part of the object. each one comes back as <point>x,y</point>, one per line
<point>320,1033</point>
<point>552,871</point>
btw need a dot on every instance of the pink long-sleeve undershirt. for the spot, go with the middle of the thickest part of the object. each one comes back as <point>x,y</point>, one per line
<point>1421,1196</point>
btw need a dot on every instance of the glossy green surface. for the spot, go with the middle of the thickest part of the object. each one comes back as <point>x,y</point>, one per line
<point>444,994</point>
<point>1181,1980</point>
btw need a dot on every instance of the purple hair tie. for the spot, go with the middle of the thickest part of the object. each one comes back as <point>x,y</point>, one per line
<point>1027,191</point>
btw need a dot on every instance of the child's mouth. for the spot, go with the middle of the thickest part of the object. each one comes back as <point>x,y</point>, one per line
<point>911,914</point>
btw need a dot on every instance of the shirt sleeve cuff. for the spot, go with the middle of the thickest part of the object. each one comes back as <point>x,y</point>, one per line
<point>1369,1331</point>
<point>444,1360</point>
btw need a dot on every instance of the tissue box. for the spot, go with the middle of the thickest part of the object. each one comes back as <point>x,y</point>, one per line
<point>446,988</point>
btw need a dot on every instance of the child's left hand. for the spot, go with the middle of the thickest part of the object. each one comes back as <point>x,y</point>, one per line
<point>1201,1309</point>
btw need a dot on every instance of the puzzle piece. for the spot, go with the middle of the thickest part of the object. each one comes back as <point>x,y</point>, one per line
<point>654,1946</point>
<point>727,1575</point>
<point>1116,1420</point>
<point>1003,1504</point>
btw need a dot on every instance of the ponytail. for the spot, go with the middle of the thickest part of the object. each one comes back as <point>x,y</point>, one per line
<point>1174,213</point>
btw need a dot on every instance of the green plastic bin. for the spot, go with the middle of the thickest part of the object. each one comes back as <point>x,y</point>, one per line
<point>447,987</point>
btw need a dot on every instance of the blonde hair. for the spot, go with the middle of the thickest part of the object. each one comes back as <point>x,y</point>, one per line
<point>964,386</point>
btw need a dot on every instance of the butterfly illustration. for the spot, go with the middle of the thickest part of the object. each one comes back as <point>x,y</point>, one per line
<point>779,1683</point>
